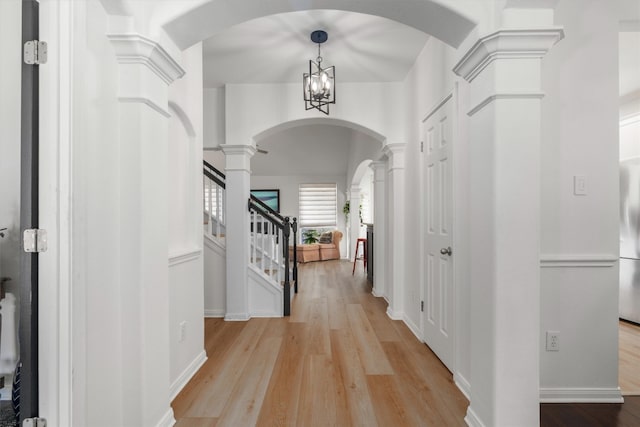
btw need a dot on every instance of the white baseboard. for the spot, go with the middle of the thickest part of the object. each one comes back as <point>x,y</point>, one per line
<point>375,293</point>
<point>236,317</point>
<point>463,385</point>
<point>472,419</point>
<point>412,327</point>
<point>187,374</point>
<point>214,312</point>
<point>581,395</point>
<point>394,315</point>
<point>167,420</point>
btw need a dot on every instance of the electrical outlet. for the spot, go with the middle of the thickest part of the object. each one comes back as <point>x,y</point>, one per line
<point>553,341</point>
<point>182,333</point>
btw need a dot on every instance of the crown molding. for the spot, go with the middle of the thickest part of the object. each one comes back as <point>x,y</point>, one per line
<point>137,49</point>
<point>505,95</point>
<point>503,44</point>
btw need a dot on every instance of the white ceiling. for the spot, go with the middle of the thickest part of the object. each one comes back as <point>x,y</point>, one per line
<point>277,48</point>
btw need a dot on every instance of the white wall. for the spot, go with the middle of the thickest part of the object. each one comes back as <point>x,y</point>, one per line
<point>185,255</point>
<point>10,88</point>
<point>252,109</point>
<point>215,279</point>
<point>422,95</point>
<point>579,137</point>
<point>214,117</point>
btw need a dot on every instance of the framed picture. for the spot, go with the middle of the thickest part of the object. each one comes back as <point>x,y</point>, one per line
<point>269,197</point>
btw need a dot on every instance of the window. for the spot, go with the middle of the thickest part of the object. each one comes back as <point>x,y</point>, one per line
<point>318,205</point>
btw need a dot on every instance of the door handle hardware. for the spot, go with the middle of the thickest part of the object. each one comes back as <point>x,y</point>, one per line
<point>446,251</point>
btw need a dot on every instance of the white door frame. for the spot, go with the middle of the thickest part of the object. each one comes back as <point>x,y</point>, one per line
<point>55,215</point>
<point>453,97</point>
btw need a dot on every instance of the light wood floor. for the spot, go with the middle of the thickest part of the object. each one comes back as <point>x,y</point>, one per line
<point>338,360</point>
<point>629,358</point>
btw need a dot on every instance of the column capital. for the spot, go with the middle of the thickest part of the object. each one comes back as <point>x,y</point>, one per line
<point>230,149</point>
<point>507,43</point>
<point>395,153</point>
<point>238,157</point>
<point>145,71</point>
<point>137,49</point>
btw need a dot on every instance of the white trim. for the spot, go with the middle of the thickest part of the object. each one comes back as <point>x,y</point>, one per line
<point>375,292</point>
<point>463,385</point>
<point>60,321</point>
<point>213,313</point>
<point>394,315</point>
<point>438,106</point>
<point>472,418</point>
<point>187,374</point>
<point>507,43</point>
<point>412,327</point>
<point>577,260</point>
<point>215,245</point>
<point>506,95</point>
<point>185,256</point>
<point>146,101</point>
<point>581,395</point>
<point>167,419</point>
<point>136,49</point>
<point>236,317</point>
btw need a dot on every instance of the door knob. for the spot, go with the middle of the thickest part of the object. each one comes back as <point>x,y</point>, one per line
<point>446,251</point>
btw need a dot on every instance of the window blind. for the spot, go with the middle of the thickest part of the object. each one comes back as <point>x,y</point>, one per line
<point>318,205</point>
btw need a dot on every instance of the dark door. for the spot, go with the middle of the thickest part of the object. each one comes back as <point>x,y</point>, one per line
<point>26,392</point>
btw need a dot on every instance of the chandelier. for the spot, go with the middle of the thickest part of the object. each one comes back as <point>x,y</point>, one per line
<point>319,83</point>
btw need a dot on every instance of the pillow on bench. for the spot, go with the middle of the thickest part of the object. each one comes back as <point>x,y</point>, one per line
<point>325,237</point>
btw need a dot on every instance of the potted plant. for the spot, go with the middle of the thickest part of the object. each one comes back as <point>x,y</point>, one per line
<point>345,211</point>
<point>310,236</point>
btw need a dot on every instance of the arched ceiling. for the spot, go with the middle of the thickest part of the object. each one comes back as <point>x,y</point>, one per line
<point>277,48</point>
<point>443,19</point>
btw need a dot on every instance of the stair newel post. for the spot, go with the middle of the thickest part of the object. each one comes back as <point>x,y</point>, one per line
<point>294,226</point>
<point>286,230</point>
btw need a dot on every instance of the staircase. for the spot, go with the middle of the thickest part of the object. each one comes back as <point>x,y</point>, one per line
<point>272,265</point>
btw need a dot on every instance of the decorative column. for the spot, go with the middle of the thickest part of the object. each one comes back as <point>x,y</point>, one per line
<point>238,172</point>
<point>504,70</point>
<point>354,218</point>
<point>145,72</point>
<point>379,227</point>
<point>396,233</point>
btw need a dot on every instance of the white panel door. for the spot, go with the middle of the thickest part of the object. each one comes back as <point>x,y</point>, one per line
<point>438,309</point>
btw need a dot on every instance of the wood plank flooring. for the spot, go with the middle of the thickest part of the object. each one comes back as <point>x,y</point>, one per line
<point>629,358</point>
<point>337,360</point>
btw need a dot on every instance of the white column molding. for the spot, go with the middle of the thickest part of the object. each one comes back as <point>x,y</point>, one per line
<point>504,70</point>
<point>137,49</point>
<point>396,232</point>
<point>145,71</point>
<point>379,227</point>
<point>354,218</point>
<point>507,44</point>
<point>238,173</point>
<point>238,157</point>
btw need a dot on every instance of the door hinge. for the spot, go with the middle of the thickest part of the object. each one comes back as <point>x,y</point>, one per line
<point>34,422</point>
<point>421,305</point>
<point>35,240</point>
<point>422,146</point>
<point>35,52</point>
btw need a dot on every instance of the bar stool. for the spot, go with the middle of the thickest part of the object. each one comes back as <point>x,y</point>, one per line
<point>364,254</point>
